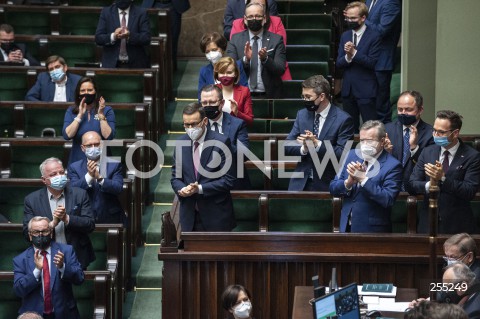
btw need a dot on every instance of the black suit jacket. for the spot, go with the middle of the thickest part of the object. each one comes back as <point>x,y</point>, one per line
<point>81,219</point>
<point>139,27</point>
<point>395,134</point>
<point>26,55</point>
<point>272,69</point>
<point>461,183</point>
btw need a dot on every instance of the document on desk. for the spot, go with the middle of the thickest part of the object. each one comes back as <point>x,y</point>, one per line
<point>387,305</point>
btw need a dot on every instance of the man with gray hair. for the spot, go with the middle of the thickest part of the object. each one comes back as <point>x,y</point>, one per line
<point>68,208</point>
<point>30,315</point>
<point>462,248</point>
<point>369,183</point>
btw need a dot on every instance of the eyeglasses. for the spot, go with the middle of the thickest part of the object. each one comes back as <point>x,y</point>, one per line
<point>351,18</point>
<point>40,232</point>
<point>210,103</point>
<point>440,132</point>
<point>369,142</point>
<point>447,258</point>
<point>256,17</point>
<point>308,97</point>
<point>189,125</point>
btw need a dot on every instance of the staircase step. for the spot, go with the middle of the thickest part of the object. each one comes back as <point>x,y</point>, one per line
<point>163,192</point>
<point>186,81</point>
<point>143,304</point>
<point>153,226</point>
<point>149,274</point>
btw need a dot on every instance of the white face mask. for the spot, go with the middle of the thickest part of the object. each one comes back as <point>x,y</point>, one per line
<point>214,56</point>
<point>194,132</point>
<point>242,311</point>
<point>368,150</point>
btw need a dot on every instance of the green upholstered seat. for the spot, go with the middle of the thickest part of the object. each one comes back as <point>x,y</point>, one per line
<point>29,22</point>
<point>258,126</point>
<point>246,214</point>
<point>84,296</point>
<point>90,3</point>
<point>12,244</point>
<point>301,6</point>
<point>306,36</point>
<point>72,23</point>
<point>124,124</point>
<point>38,119</point>
<point>257,178</point>
<point>281,126</point>
<point>74,52</point>
<point>399,216</point>
<point>9,302</point>
<point>286,108</point>
<point>257,148</point>
<point>261,108</point>
<point>306,52</point>
<point>292,89</point>
<point>13,86</point>
<point>6,123</point>
<point>279,182</point>
<point>307,21</point>
<point>26,160</point>
<point>12,201</point>
<point>99,243</point>
<point>303,70</point>
<point>476,212</point>
<point>293,215</point>
<point>121,88</point>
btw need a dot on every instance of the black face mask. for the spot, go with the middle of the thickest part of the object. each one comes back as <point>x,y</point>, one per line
<point>8,47</point>
<point>89,98</point>
<point>310,105</point>
<point>407,119</point>
<point>352,25</point>
<point>123,4</point>
<point>254,25</point>
<point>41,242</point>
<point>211,112</point>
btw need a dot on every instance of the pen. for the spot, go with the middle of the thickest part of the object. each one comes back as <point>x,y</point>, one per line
<point>270,50</point>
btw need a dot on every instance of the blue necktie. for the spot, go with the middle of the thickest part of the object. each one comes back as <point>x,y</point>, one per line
<point>406,146</point>
<point>316,124</point>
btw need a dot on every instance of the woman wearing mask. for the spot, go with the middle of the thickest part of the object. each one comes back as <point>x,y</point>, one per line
<point>88,114</point>
<point>214,45</point>
<point>238,101</point>
<point>273,24</point>
<point>236,300</point>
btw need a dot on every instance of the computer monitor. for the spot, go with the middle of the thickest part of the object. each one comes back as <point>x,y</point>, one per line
<point>342,303</point>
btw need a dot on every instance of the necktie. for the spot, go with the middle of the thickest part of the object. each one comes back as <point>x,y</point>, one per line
<point>406,146</point>
<point>47,296</point>
<point>316,124</point>
<point>371,5</point>
<point>123,42</point>
<point>445,164</point>
<point>196,157</point>
<point>254,64</point>
<point>215,127</point>
<point>354,39</point>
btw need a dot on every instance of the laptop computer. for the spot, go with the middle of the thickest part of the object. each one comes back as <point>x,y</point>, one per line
<point>342,303</point>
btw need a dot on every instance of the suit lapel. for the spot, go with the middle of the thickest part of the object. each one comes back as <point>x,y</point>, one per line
<point>52,266</point>
<point>116,16</point>
<point>206,151</point>
<point>226,125</point>
<point>68,199</point>
<point>131,16</point>
<point>458,159</point>
<point>44,201</point>
<point>51,90</point>
<point>398,140</point>
<point>331,117</point>
<point>187,157</point>
<point>266,40</point>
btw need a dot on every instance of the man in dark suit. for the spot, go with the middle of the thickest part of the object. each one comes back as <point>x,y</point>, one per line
<point>123,30</point>
<point>101,178</point>
<point>11,51</point>
<point>326,127</point>
<point>468,294</point>
<point>262,53</point>
<point>409,134</point>
<point>358,53</point>
<point>176,8</point>
<point>235,129</point>
<point>369,183</point>
<point>384,16</point>
<point>235,9</point>
<point>44,274</point>
<point>462,248</point>
<point>56,85</point>
<point>455,167</point>
<point>202,175</point>
<point>68,209</point>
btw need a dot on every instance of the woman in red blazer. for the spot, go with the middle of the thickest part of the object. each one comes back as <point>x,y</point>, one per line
<point>274,24</point>
<point>238,101</point>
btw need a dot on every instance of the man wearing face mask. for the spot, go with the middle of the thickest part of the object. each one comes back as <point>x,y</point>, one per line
<point>462,248</point>
<point>55,85</point>
<point>358,52</point>
<point>123,31</point>
<point>10,51</point>
<point>102,179</point>
<point>44,274</point>
<point>409,134</point>
<point>203,175</point>
<point>262,53</point>
<point>222,122</point>
<point>455,167</point>
<point>369,183</point>
<point>319,121</point>
<point>67,207</point>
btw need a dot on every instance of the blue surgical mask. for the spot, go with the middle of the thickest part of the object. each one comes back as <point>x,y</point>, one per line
<point>57,74</point>
<point>93,153</point>
<point>441,140</point>
<point>58,182</point>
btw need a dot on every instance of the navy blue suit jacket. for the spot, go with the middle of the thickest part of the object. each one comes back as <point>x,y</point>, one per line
<point>462,181</point>
<point>139,27</point>
<point>338,129</point>
<point>44,88</point>
<point>81,222</point>
<point>31,291</point>
<point>104,200</point>
<point>395,134</point>
<point>472,306</point>
<point>359,77</point>
<point>26,55</point>
<point>215,205</point>
<point>179,5</point>
<point>236,9</point>
<point>386,18</point>
<point>272,69</point>
<point>370,205</point>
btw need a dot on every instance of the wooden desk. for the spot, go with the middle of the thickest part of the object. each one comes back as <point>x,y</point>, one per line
<point>303,310</point>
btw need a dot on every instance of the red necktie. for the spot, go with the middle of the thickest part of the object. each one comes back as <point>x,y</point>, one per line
<point>445,164</point>
<point>196,157</point>
<point>47,296</point>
